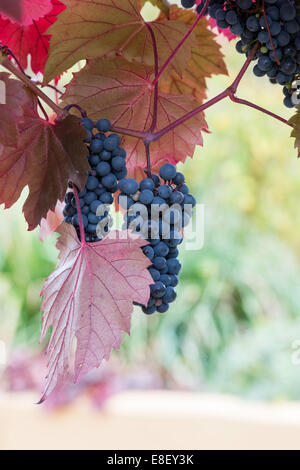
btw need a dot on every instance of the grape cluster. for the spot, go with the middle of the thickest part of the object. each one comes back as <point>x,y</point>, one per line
<point>278,56</point>
<point>158,209</point>
<point>108,166</point>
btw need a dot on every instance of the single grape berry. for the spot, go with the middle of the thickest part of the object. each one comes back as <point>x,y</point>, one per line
<point>168,172</point>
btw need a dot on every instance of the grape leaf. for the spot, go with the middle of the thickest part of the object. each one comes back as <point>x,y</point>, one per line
<point>90,296</point>
<point>38,154</point>
<point>122,92</point>
<point>12,9</point>
<point>295,121</point>
<point>89,30</point>
<point>206,60</point>
<point>31,10</point>
<point>29,38</point>
<point>52,221</point>
<point>17,98</point>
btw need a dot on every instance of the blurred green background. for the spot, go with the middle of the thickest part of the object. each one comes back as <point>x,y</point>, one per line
<point>236,319</point>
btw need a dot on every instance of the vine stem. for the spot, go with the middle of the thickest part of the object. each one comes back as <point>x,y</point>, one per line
<point>6,63</point>
<point>82,235</point>
<point>48,85</point>
<point>258,108</point>
<point>9,52</point>
<point>227,93</point>
<point>230,91</point>
<point>155,98</point>
<point>148,169</point>
<point>79,108</point>
<point>129,132</point>
<point>180,44</point>
<point>240,75</point>
<point>269,33</point>
<point>152,137</point>
<point>43,110</point>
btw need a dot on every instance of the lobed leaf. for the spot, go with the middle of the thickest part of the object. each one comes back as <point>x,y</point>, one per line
<point>206,60</point>
<point>89,30</point>
<point>29,11</point>
<point>12,9</point>
<point>122,91</point>
<point>36,153</point>
<point>52,221</point>
<point>29,37</point>
<point>90,296</point>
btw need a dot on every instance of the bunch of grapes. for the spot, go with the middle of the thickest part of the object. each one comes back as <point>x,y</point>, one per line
<point>158,211</point>
<point>278,55</point>
<point>108,166</point>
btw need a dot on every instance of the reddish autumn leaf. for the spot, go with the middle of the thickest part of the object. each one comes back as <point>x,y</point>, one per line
<point>29,37</point>
<point>38,154</point>
<point>89,30</point>
<point>90,296</point>
<point>17,99</point>
<point>12,9</point>
<point>52,221</point>
<point>206,60</point>
<point>122,92</point>
<point>31,10</point>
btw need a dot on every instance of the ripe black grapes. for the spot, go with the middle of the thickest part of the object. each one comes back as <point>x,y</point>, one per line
<point>158,209</point>
<point>108,167</point>
<point>276,31</point>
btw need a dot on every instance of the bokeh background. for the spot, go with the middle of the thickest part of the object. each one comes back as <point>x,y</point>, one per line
<point>235,327</point>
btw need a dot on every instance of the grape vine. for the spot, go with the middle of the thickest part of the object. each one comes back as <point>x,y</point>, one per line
<point>142,91</point>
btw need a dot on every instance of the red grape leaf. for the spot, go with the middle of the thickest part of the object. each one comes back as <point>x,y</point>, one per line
<point>295,121</point>
<point>206,60</point>
<point>31,10</point>
<point>90,296</point>
<point>89,30</point>
<point>52,221</point>
<point>29,38</point>
<point>16,98</point>
<point>12,8</point>
<point>36,153</point>
<point>122,92</point>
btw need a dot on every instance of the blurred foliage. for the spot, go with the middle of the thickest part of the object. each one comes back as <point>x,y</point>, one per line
<point>237,314</point>
<point>25,263</point>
